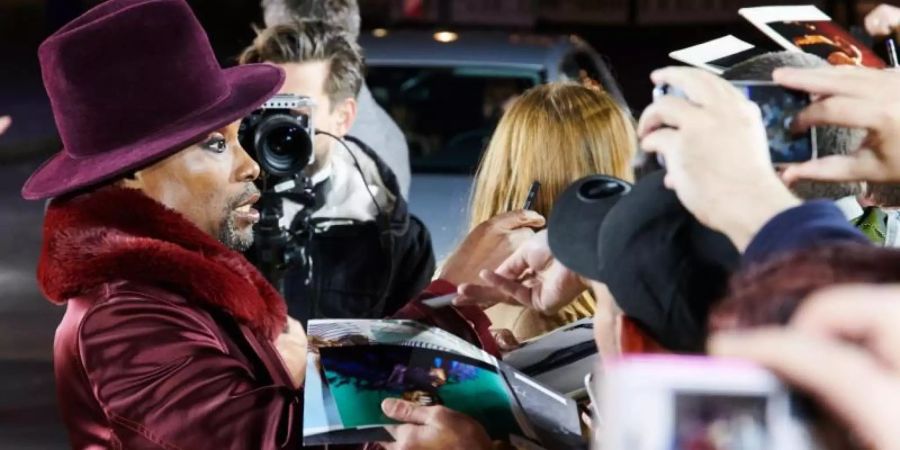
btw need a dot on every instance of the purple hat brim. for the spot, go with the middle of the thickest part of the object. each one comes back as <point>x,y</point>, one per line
<point>251,86</point>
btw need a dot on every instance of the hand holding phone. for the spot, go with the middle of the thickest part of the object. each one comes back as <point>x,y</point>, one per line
<point>778,107</point>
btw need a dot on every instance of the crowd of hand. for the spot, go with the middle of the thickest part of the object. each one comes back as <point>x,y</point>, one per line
<point>716,153</point>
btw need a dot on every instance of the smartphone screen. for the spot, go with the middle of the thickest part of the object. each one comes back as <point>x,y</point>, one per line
<point>720,421</point>
<point>779,106</point>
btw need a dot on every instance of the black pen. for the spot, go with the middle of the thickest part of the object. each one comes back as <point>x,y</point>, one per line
<point>532,195</point>
<point>892,53</point>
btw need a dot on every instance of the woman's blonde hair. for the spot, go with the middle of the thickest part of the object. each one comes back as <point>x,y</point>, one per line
<point>555,134</point>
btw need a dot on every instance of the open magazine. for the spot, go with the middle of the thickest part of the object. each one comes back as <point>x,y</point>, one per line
<point>559,359</point>
<point>353,365</point>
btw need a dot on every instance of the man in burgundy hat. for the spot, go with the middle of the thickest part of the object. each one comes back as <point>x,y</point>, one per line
<point>171,339</point>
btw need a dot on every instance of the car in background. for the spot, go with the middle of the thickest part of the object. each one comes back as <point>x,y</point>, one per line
<point>447,92</point>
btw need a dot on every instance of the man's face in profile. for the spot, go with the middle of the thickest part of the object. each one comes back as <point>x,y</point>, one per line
<point>210,183</point>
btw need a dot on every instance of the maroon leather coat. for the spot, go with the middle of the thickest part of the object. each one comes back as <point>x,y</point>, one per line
<point>167,337</point>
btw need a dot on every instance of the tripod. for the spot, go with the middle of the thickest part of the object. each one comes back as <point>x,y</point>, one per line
<point>276,248</point>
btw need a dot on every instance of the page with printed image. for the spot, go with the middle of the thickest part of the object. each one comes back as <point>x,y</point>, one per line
<point>353,365</point>
<point>808,29</point>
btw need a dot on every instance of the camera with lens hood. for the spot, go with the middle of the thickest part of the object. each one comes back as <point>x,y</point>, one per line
<point>280,137</point>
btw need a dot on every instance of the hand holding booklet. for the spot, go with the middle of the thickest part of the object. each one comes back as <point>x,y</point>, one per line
<point>353,365</point>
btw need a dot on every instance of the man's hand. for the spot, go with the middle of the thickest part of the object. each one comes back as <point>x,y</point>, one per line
<point>432,427</point>
<point>853,97</point>
<point>506,340</point>
<point>291,345</point>
<point>5,122</point>
<point>489,244</point>
<point>530,277</point>
<point>852,328</point>
<point>716,153</point>
<point>882,20</point>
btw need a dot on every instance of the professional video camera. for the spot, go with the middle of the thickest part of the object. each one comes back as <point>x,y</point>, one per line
<point>279,136</point>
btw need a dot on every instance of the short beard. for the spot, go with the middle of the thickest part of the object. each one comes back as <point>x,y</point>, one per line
<point>231,237</point>
<point>229,234</point>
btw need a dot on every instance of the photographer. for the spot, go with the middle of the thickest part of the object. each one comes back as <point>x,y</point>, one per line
<point>373,125</point>
<point>368,256</point>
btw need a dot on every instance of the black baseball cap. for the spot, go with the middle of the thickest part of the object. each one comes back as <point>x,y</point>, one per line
<point>574,225</point>
<point>664,268</point>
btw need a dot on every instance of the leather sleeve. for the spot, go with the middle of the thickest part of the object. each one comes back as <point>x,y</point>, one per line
<point>167,380</point>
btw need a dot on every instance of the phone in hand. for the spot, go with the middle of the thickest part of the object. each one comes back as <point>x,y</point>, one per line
<point>778,107</point>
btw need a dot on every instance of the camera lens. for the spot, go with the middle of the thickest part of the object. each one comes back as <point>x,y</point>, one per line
<point>284,147</point>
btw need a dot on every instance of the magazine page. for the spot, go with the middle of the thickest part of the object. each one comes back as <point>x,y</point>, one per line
<point>553,416</point>
<point>559,359</point>
<point>808,29</point>
<point>340,332</point>
<point>361,377</point>
<point>354,365</point>
<point>717,55</point>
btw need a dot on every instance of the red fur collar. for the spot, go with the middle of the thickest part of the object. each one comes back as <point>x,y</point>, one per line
<point>120,234</point>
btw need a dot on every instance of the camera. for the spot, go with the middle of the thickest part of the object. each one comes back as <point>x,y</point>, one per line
<point>279,136</point>
<point>687,402</point>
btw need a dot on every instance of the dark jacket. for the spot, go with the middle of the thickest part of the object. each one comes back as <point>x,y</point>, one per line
<point>363,269</point>
<point>167,339</point>
<point>816,222</point>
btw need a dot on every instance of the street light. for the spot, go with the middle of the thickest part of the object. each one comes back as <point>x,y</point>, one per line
<point>445,37</point>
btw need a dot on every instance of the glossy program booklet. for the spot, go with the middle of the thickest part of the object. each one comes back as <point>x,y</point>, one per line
<point>808,29</point>
<point>353,365</point>
<point>559,359</point>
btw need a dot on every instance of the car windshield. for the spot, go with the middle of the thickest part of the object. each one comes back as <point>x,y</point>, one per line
<point>447,114</point>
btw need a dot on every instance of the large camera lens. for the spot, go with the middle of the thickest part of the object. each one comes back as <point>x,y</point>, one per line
<point>283,144</point>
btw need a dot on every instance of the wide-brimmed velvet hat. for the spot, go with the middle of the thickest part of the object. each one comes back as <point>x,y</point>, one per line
<point>134,81</point>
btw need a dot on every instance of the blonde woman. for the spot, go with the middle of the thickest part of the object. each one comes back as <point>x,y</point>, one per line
<point>554,134</point>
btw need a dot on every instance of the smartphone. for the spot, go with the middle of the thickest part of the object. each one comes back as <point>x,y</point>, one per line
<point>778,107</point>
<point>683,403</point>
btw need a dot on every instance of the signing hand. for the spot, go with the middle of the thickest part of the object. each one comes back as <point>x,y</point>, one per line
<point>530,277</point>
<point>853,330</point>
<point>432,427</point>
<point>489,244</point>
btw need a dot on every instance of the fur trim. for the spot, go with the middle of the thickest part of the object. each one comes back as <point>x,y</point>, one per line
<point>118,234</point>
